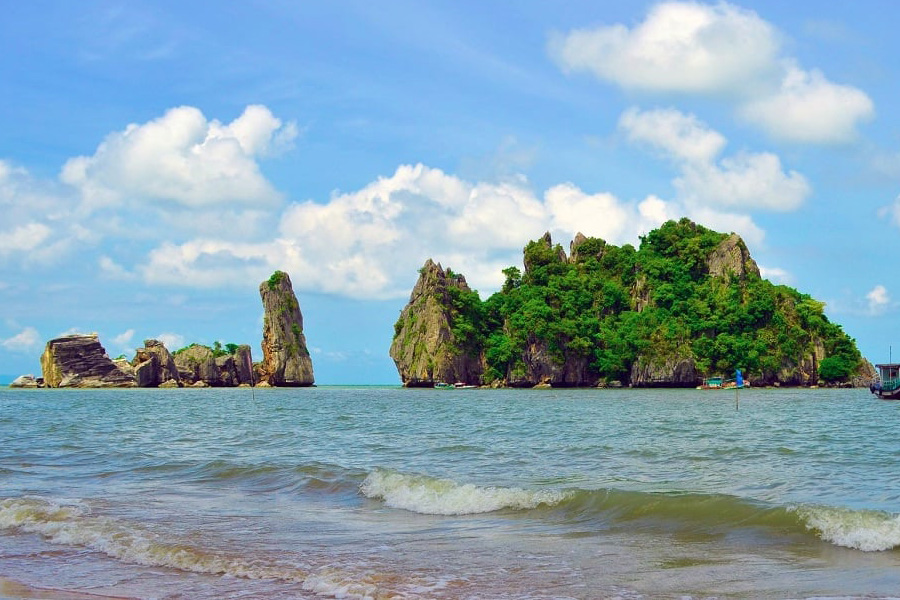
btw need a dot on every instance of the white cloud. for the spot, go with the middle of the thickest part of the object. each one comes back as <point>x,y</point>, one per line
<point>124,338</point>
<point>878,300</point>
<point>113,270</point>
<point>776,275</point>
<point>722,50</point>
<point>23,238</point>
<point>746,181</point>
<point>892,212</point>
<point>680,46</point>
<point>680,136</point>
<point>183,158</point>
<point>369,243</point>
<point>172,341</point>
<point>809,108</point>
<point>27,340</point>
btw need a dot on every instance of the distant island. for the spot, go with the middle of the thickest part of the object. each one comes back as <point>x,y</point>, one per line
<point>80,361</point>
<point>688,304</point>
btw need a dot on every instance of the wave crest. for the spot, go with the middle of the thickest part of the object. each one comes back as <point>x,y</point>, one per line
<point>866,530</point>
<point>433,496</point>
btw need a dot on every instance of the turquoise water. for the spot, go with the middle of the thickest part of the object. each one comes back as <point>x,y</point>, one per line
<point>394,493</point>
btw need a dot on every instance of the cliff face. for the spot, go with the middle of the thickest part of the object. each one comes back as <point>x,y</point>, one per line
<point>425,348</point>
<point>78,360</point>
<point>199,365</point>
<point>286,360</point>
<point>154,366</point>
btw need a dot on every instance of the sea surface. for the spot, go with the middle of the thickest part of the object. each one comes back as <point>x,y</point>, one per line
<point>344,492</point>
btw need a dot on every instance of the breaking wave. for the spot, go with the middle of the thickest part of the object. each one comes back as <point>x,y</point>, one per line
<point>71,523</point>
<point>864,530</point>
<point>433,496</point>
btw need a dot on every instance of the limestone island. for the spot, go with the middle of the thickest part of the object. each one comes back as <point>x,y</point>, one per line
<point>687,305</point>
<point>80,361</point>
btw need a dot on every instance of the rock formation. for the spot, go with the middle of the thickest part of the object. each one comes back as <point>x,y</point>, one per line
<point>78,360</point>
<point>424,347</point>
<point>154,366</point>
<point>688,303</point>
<point>214,368</point>
<point>27,381</point>
<point>732,256</point>
<point>286,360</point>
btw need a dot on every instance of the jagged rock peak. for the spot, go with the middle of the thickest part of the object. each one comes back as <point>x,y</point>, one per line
<point>424,348</point>
<point>153,365</point>
<point>732,256</point>
<point>79,360</point>
<point>286,360</point>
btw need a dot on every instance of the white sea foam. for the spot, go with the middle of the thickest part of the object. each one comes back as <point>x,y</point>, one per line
<point>72,524</point>
<point>432,496</point>
<point>866,530</point>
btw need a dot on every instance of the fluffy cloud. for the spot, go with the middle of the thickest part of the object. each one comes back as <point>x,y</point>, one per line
<point>680,46</point>
<point>124,338</point>
<point>878,300</point>
<point>369,243</point>
<point>722,50</point>
<point>809,108</point>
<point>26,340</point>
<point>183,158</point>
<point>746,181</point>
<point>23,238</point>
<point>683,137</point>
<point>172,341</point>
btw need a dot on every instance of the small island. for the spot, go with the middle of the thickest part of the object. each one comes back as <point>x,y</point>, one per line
<point>686,305</point>
<point>80,361</point>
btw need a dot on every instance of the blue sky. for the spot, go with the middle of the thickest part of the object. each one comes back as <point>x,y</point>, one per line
<point>160,159</point>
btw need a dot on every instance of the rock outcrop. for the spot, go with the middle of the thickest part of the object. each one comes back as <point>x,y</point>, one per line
<point>424,348</point>
<point>214,368</point>
<point>670,371</point>
<point>154,366</point>
<point>286,360</point>
<point>27,381</point>
<point>78,360</point>
<point>732,257</point>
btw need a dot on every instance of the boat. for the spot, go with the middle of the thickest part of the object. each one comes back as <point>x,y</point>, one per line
<point>720,383</point>
<point>888,385</point>
<point>440,385</point>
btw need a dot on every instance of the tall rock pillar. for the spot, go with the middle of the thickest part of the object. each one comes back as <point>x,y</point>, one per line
<point>286,361</point>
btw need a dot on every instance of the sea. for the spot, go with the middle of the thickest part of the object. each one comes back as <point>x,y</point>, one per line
<point>385,492</point>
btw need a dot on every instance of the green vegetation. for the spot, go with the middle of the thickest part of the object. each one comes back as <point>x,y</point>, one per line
<point>217,349</point>
<point>275,279</point>
<point>607,306</point>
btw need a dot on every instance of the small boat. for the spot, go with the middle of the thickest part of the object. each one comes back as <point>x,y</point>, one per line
<point>888,385</point>
<point>440,385</point>
<point>460,385</point>
<point>719,383</point>
<point>712,383</point>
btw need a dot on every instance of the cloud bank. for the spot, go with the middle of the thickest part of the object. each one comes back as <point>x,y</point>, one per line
<point>724,51</point>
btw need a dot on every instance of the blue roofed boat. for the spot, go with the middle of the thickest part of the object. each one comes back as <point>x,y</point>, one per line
<point>888,385</point>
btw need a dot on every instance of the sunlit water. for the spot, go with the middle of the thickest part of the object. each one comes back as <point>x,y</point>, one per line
<point>393,493</point>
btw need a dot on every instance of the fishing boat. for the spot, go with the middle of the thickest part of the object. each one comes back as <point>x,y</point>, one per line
<point>440,385</point>
<point>720,383</point>
<point>888,385</point>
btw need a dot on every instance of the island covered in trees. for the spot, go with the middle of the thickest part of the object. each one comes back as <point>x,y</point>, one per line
<point>687,304</point>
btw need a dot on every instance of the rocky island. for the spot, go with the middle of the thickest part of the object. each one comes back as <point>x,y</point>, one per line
<point>689,303</point>
<point>79,360</point>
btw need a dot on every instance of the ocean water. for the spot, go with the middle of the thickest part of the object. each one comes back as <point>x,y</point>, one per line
<point>393,493</point>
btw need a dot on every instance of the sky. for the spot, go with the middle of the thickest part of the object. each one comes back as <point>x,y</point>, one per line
<point>158,160</point>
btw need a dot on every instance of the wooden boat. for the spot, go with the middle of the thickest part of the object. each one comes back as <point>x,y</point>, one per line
<point>719,383</point>
<point>888,385</point>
